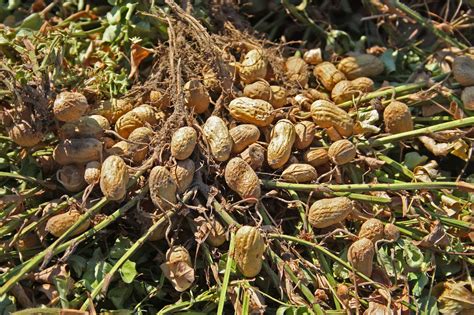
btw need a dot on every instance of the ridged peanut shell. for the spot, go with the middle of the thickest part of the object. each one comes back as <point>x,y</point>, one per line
<point>196,96</point>
<point>159,99</point>
<point>249,249</point>
<point>243,136</point>
<point>77,151</point>
<point>86,127</point>
<point>363,84</point>
<point>178,268</point>
<point>25,135</point>
<point>328,75</point>
<point>241,178</point>
<point>70,106</point>
<point>254,155</point>
<point>92,172</point>
<point>329,211</point>
<point>136,118</point>
<point>251,111</point>
<point>467,97</point>
<point>162,188</point>
<point>327,115</point>
<point>278,98</point>
<point>297,70</point>
<point>253,66</point>
<point>215,232</point>
<point>361,254</point>
<point>141,138</point>
<point>282,139</point>
<point>60,223</point>
<point>343,91</point>
<point>397,118</point>
<point>316,157</point>
<point>463,70</point>
<point>304,134</point>
<point>113,109</point>
<point>114,178</point>
<point>71,177</point>
<point>363,65</point>
<point>299,173</point>
<point>258,90</point>
<point>183,174</point>
<point>372,229</point>
<point>183,143</point>
<point>218,137</point>
<point>313,56</point>
<point>391,232</point>
<point>342,152</point>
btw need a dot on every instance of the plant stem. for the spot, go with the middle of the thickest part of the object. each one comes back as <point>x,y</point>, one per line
<point>225,282</point>
<point>367,187</point>
<point>402,89</point>
<point>465,122</point>
<point>427,24</point>
<point>132,250</point>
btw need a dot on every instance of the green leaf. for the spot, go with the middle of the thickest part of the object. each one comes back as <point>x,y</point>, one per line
<point>388,58</point>
<point>420,280</point>
<point>128,271</point>
<point>62,284</point>
<point>428,305</point>
<point>413,159</point>
<point>384,259</point>
<point>119,295</point>
<point>122,244</point>
<point>110,33</point>
<point>13,4</point>
<point>7,304</point>
<point>413,256</point>
<point>32,22</point>
<point>78,264</point>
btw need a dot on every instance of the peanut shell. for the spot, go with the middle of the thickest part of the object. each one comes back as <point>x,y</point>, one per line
<point>183,174</point>
<point>363,65</point>
<point>78,151</point>
<point>299,173</point>
<point>282,139</point>
<point>196,96</point>
<point>342,152</point>
<point>397,118</point>
<point>328,75</point>
<point>304,134</point>
<point>114,178</point>
<point>70,106</point>
<point>316,157</point>
<point>60,223</point>
<point>218,137</point>
<point>361,254</point>
<point>162,188</point>
<point>183,143</point>
<point>329,211</point>
<point>253,67</point>
<point>241,178</point>
<point>326,115</point>
<point>251,111</point>
<point>249,249</point>
<point>243,136</point>
<point>372,229</point>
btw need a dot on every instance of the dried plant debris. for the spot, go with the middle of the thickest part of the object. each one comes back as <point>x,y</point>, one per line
<point>198,156</point>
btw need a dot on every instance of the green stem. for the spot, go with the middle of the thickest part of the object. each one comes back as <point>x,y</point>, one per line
<point>402,89</point>
<point>304,19</point>
<point>132,250</point>
<point>367,187</point>
<point>225,282</point>
<point>28,179</point>
<point>465,122</point>
<point>15,274</point>
<point>427,24</point>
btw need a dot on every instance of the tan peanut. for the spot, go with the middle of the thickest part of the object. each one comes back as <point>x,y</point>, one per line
<point>397,118</point>
<point>299,173</point>
<point>260,89</point>
<point>183,174</point>
<point>140,140</point>
<point>77,151</point>
<point>361,254</point>
<point>316,157</point>
<point>24,134</point>
<point>282,139</point>
<point>391,232</point>
<point>218,137</point>
<point>329,211</point>
<point>249,249</point>
<point>253,67</point>
<point>327,115</point>
<point>86,127</point>
<point>71,177</point>
<point>372,229</point>
<point>463,70</point>
<point>113,109</point>
<point>70,106</point>
<point>159,99</point>
<point>342,152</point>
<point>92,172</point>
<point>114,178</point>
<point>138,117</point>
<point>297,70</point>
<point>60,223</point>
<point>278,98</point>
<point>313,56</point>
<point>254,155</point>
<point>243,136</point>
<point>343,91</point>
<point>467,97</point>
<point>363,65</point>
<point>162,188</point>
<point>212,230</point>
<point>304,134</point>
<point>251,111</point>
<point>183,143</point>
<point>363,84</point>
<point>196,96</point>
<point>328,75</point>
<point>178,268</point>
<point>241,178</point>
